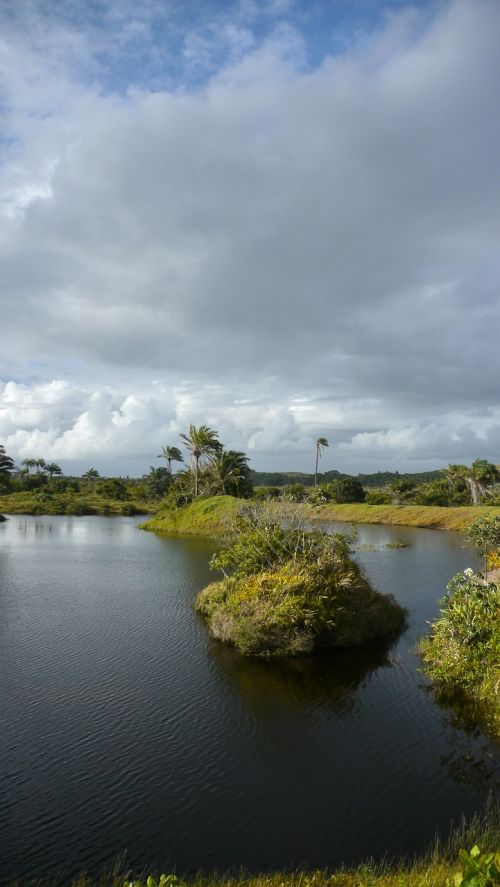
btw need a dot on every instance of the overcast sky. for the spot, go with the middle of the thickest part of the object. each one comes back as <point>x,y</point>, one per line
<point>280,219</point>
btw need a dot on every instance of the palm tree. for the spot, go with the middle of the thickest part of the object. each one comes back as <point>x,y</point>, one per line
<point>91,475</point>
<point>40,465</point>
<point>171,454</point>
<point>52,468</point>
<point>229,470</point>
<point>478,478</point>
<point>321,443</point>
<point>200,442</point>
<point>29,463</point>
<point>6,466</point>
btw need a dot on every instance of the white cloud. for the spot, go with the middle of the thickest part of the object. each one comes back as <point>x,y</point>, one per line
<point>320,244</point>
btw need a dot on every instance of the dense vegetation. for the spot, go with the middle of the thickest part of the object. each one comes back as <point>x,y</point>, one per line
<point>462,654</point>
<point>215,471</point>
<point>287,590</point>
<point>377,480</point>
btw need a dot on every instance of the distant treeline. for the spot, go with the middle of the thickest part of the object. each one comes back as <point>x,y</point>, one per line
<point>379,479</point>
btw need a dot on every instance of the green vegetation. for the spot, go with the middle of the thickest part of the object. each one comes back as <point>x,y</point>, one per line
<point>205,517</point>
<point>445,864</point>
<point>436,517</point>
<point>377,480</point>
<point>462,654</point>
<point>289,591</point>
<point>211,520</point>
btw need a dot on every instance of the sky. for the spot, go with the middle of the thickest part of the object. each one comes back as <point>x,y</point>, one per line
<point>280,219</point>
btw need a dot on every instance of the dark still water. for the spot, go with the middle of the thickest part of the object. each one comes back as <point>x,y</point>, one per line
<point>124,729</point>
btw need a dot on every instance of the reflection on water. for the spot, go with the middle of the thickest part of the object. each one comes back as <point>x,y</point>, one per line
<point>125,728</point>
<point>329,681</point>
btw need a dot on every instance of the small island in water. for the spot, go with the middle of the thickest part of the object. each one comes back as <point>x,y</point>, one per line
<point>288,590</point>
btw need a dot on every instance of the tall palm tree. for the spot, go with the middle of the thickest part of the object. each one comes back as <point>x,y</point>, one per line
<point>91,475</point>
<point>171,454</point>
<point>39,465</point>
<point>29,463</point>
<point>53,468</point>
<point>321,443</point>
<point>200,442</point>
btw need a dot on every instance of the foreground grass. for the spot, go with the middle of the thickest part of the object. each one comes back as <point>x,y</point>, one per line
<point>72,504</point>
<point>444,865</point>
<point>210,516</point>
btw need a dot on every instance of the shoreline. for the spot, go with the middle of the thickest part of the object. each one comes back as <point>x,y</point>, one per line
<point>208,517</point>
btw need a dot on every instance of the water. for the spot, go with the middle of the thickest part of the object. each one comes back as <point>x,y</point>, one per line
<point>126,730</point>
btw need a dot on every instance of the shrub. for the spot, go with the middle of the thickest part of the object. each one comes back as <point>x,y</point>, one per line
<point>462,655</point>
<point>378,497</point>
<point>349,489</point>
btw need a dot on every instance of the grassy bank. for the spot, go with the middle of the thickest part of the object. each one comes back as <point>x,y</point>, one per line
<point>443,865</point>
<point>72,503</point>
<point>209,516</point>
<point>433,517</point>
<point>205,517</point>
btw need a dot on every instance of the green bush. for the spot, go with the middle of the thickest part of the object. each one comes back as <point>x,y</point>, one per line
<point>478,869</point>
<point>347,490</point>
<point>378,497</point>
<point>462,655</point>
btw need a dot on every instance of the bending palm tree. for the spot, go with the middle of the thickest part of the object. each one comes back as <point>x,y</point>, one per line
<point>321,443</point>
<point>171,454</point>
<point>478,478</point>
<point>200,442</point>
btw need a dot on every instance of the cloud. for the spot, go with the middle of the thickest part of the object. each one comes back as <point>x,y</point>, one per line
<point>333,229</point>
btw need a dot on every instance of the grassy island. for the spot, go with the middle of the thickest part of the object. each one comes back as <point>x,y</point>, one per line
<point>287,590</point>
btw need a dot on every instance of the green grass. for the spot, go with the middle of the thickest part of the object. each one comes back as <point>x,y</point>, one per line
<point>437,868</point>
<point>210,516</point>
<point>205,517</point>
<point>434,517</point>
<point>73,503</point>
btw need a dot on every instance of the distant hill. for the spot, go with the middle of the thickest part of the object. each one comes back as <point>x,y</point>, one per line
<point>379,479</point>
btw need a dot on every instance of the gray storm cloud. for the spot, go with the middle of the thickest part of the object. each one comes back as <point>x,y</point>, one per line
<point>284,236</point>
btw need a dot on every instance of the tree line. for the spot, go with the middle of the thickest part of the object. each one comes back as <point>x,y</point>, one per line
<point>208,469</point>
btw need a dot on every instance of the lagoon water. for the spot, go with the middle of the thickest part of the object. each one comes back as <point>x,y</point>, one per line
<point>125,730</point>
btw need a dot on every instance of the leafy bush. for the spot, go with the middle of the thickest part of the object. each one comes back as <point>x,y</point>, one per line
<point>484,534</point>
<point>479,869</point>
<point>347,490</point>
<point>378,497</point>
<point>462,655</point>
